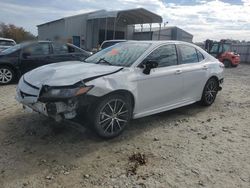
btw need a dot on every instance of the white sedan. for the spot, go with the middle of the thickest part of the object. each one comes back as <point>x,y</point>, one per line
<point>126,81</point>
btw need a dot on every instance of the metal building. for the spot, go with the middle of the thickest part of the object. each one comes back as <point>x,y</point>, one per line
<point>165,33</point>
<point>90,29</point>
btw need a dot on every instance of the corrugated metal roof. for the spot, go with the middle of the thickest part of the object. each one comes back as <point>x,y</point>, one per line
<point>129,17</point>
<point>126,17</point>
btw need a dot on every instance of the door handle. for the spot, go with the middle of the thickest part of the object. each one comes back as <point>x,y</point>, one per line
<point>205,67</point>
<point>178,72</point>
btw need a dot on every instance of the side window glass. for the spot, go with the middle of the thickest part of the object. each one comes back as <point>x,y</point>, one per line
<point>200,56</point>
<point>60,48</point>
<point>164,55</point>
<point>72,49</point>
<point>37,49</point>
<point>188,54</point>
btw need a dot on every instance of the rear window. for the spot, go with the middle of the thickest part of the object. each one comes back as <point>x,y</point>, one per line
<point>60,48</point>
<point>6,43</point>
<point>188,54</point>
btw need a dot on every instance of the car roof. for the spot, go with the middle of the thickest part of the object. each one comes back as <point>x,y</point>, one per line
<point>6,39</point>
<point>159,42</point>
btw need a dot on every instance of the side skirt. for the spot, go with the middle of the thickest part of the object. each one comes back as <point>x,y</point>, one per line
<point>163,109</point>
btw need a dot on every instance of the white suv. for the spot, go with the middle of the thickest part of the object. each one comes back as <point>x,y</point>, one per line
<point>6,43</point>
<point>128,80</point>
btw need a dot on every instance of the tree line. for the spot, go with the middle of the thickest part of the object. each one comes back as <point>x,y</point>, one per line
<point>19,34</point>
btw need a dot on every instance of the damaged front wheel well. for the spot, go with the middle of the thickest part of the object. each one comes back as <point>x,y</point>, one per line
<point>124,93</point>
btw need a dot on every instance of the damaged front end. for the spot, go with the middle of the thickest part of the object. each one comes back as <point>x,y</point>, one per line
<point>58,102</point>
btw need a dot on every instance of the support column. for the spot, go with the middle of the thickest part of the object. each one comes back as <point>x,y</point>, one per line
<point>159,35</point>
<point>141,27</point>
<point>106,28</point>
<point>114,28</point>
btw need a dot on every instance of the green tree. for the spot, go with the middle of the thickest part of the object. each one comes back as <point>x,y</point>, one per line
<point>16,33</point>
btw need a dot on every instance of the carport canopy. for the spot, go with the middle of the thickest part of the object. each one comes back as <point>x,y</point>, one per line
<point>128,17</point>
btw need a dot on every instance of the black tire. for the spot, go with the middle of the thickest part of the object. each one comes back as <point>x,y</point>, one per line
<point>234,65</point>
<point>210,92</point>
<point>108,124</point>
<point>227,63</point>
<point>7,75</point>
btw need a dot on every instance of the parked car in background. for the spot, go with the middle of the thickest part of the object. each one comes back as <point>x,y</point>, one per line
<point>6,43</point>
<point>128,80</point>
<point>21,58</point>
<point>109,43</point>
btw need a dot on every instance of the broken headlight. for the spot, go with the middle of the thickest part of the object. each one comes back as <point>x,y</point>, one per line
<point>64,92</point>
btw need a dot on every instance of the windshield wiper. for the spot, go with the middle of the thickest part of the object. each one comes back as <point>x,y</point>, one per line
<point>102,60</point>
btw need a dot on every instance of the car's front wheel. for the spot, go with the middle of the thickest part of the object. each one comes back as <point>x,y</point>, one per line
<point>6,75</point>
<point>111,115</point>
<point>210,92</point>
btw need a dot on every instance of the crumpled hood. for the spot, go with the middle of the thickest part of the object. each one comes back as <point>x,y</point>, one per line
<point>66,73</point>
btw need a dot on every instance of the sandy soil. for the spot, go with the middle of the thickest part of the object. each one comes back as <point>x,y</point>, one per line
<point>192,146</point>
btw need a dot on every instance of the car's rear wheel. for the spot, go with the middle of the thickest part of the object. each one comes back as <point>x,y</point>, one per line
<point>210,92</point>
<point>111,115</point>
<point>7,75</point>
<point>234,65</point>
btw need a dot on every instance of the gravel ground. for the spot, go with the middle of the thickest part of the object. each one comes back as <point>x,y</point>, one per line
<point>192,146</point>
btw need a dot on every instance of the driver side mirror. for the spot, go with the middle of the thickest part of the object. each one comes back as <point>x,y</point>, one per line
<point>148,65</point>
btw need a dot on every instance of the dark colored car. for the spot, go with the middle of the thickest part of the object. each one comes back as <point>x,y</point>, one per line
<point>21,58</point>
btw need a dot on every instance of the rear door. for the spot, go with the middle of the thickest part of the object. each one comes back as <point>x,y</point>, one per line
<point>163,86</point>
<point>194,71</point>
<point>35,55</point>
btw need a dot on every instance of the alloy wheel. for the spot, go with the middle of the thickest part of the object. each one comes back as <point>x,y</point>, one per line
<point>210,92</point>
<point>5,76</point>
<point>113,116</point>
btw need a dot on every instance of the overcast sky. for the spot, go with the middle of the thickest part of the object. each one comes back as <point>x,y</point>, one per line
<point>213,19</point>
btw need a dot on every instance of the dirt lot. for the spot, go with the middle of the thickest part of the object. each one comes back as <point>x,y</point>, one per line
<point>188,147</point>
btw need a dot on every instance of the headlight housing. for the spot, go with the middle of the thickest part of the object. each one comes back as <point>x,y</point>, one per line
<point>64,92</point>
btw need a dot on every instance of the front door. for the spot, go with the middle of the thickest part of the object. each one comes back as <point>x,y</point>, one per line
<point>35,55</point>
<point>162,88</point>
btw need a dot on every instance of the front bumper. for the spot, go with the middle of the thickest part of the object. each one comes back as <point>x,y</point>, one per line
<point>28,96</point>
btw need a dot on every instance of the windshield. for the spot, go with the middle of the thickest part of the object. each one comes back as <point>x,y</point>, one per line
<point>122,54</point>
<point>6,43</point>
